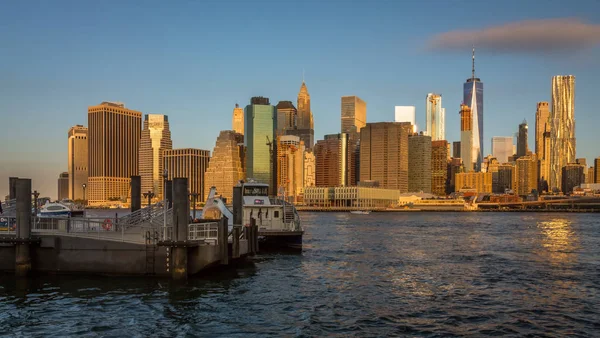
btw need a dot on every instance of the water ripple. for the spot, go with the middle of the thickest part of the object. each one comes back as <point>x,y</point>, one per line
<point>417,274</point>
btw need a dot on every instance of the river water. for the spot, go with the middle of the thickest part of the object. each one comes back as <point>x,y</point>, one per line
<point>406,274</point>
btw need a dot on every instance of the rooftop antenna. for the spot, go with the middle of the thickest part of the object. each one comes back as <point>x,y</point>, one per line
<point>473,66</point>
<point>302,75</point>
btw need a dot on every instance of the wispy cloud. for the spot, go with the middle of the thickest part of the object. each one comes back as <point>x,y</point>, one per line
<point>530,36</point>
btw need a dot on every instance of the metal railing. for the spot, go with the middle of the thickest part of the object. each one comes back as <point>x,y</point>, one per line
<point>209,232</point>
<point>9,208</point>
<point>151,215</point>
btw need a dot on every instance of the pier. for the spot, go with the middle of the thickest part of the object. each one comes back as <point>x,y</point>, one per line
<point>158,240</point>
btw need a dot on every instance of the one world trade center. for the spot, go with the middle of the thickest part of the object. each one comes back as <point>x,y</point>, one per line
<point>473,97</point>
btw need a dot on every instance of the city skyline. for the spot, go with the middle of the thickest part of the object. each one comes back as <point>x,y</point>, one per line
<point>515,80</point>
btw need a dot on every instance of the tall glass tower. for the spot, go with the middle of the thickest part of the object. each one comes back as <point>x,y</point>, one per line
<point>261,145</point>
<point>473,97</point>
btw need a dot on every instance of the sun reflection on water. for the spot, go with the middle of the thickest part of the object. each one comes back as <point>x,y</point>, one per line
<point>559,240</point>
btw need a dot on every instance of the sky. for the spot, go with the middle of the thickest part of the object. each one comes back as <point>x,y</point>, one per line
<point>194,60</point>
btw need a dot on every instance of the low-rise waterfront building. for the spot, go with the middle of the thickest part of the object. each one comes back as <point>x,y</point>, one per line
<point>351,197</point>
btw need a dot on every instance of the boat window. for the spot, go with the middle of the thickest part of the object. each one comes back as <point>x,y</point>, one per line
<point>276,213</point>
<point>55,207</point>
<point>256,191</point>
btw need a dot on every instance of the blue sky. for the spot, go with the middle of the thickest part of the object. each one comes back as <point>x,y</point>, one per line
<point>193,60</point>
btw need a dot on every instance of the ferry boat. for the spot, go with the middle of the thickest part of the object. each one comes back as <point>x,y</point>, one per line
<point>277,220</point>
<point>54,210</point>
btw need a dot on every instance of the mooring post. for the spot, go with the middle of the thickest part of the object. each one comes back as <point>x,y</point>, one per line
<point>12,187</point>
<point>237,205</point>
<point>136,193</point>
<point>246,231</point>
<point>168,191</point>
<point>251,242</point>
<point>224,240</point>
<point>181,214</point>
<point>235,245</point>
<point>22,254</point>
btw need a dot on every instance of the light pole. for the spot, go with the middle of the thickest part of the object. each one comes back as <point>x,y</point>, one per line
<point>194,197</point>
<point>165,202</point>
<point>84,199</point>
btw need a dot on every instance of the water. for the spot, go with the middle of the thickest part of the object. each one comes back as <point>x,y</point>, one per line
<point>440,274</point>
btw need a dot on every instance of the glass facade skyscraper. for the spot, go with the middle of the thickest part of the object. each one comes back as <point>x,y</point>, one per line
<point>260,124</point>
<point>473,97</point>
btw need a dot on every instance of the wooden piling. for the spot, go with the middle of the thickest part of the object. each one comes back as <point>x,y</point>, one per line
<point>253,234</point>
<point>22,253</point>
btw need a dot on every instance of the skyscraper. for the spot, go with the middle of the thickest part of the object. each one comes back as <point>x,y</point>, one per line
<point>334,161</point>
<point>435,116</point>
<point>286,117</point>
<point>439,167</point>
<point>473,97</point>
<point>502,148</point>
<point>522,147</point>
<point>562,127</point>
<point>113,145</point>
<point>63,186</point>
<point>419,163</point>
<point>290,166</point>
<point>467,151</point>
<point>353,115</point>
<point>261,145</point>
<point>156,138</point>
<point>78,161</point>
<point>384,154</point>
<point>226,167</point>
<point>309,169</point>
<point>572,176</point>
<point>526,175</point>
<point>237,121</point>
<point>188,163</point>
<point>406,114</point>
<point>542,140</point>
<point>542,114</point>
<point>304,121</point>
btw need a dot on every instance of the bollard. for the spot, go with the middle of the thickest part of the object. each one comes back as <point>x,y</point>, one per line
<point>181,211</point>
<point>235,245</point>
<point>224,240</point>
<point>22,254</point>
<point>136,193</point>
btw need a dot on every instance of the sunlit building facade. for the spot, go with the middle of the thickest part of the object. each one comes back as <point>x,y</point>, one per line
<point>502,148</point>
<point>439,167</point>
<point>237,120</point>
<point>261,145</point>
<point>309,169</point>
<point>353,115</point>
<point>156,138</point>
<point>572,176</point>
<point>466,138</point>
<point>114,134</point>
<point>188,163</point>
<point>286,117</point>
<point>290,167</point>
<point>526,175</point>
<point>78,162</point>
<point>522,146</point>
<point>480,181</point>
<point>384,154</point>
<point>562,127</point>
<point>334,160</point>
<point>419,163</point>
<point>304,122</point>
<point>226,167</point>
<point>435,117</point>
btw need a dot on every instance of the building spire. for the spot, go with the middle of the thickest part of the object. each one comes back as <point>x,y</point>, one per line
<point>302,75</point>
<point>473,66</point>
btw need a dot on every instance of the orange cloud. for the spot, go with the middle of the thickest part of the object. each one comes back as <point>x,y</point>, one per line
<point>530,36</point>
